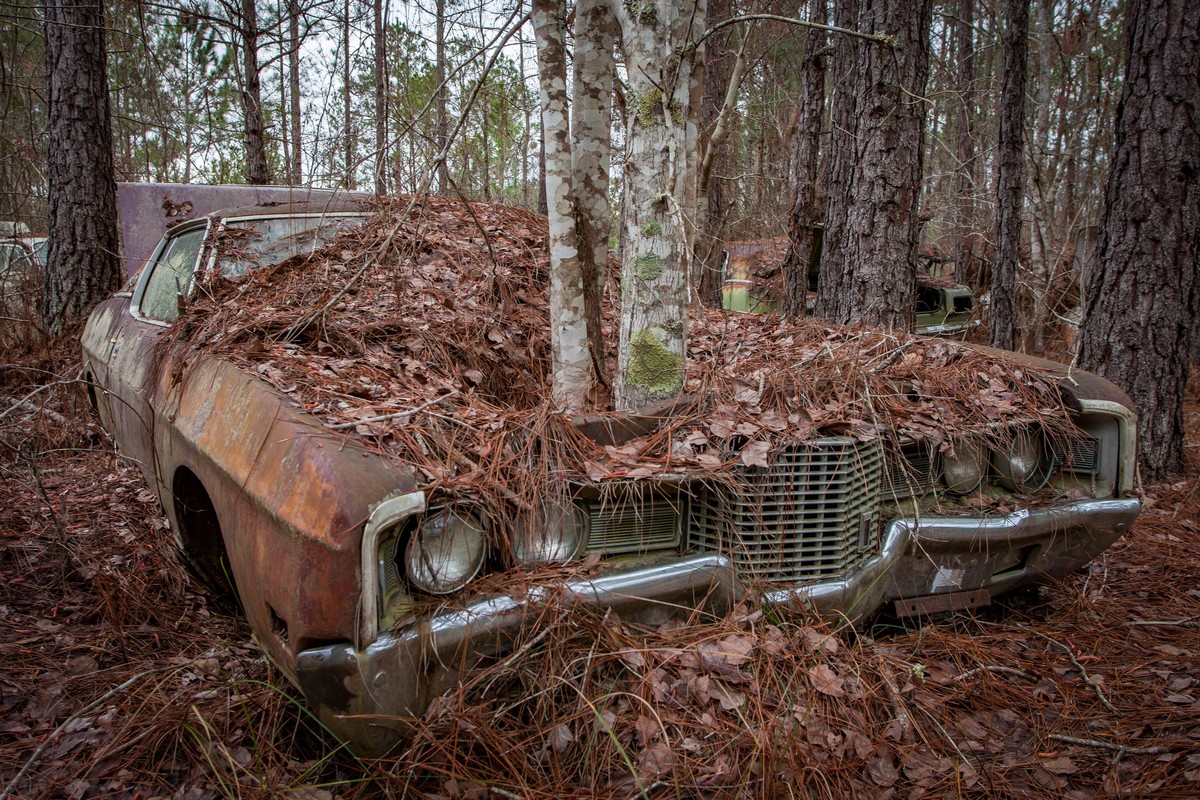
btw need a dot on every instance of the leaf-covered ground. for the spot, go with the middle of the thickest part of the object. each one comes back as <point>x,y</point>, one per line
<point>121,677</point>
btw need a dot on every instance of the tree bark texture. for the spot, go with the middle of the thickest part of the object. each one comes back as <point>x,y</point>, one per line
<point>1002,312</point>
<point>572,362</point>
<point>442,124</point>
<point>1141,301</point>
<point>258,168</point>
<point>348,130</point>
<point>966,271</point>
<point>806,160</point>
<point>591,117</point>
<point>875,164</point>
<point>381,99</point>
<point>83,267</point>
<point>711,203</point>
<point>297,165</point>
<point>661,141</point>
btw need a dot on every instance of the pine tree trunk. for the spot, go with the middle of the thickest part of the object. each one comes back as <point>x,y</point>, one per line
<point>806,160</point>
<point>718,70</point>
<point>875,164</point>
<point>381,100</point>
<point>1002,313</point>
<point>442,123</point>
<point>663,95</point>
<point>258,168</point>
<point>297,165</point>
<point>1142,293</point>
<point>83,267</point>
<point>966,271</point>
<point>348,130</point>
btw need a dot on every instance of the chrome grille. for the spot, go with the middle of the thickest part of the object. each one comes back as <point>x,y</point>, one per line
<point>634,525</point>
<point>909,474</point>
<point>814,512</point>
<point>1079,455</point>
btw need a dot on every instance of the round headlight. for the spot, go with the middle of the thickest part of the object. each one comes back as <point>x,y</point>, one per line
<point>963,470</point>
<point>1024,464</point>
<point>556,536</point>
<point>445,553</point>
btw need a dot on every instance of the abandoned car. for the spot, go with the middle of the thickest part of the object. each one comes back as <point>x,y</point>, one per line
<point>343,407</point>
<point>752,283</point>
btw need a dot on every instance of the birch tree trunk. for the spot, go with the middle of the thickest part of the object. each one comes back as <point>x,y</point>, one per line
<point>868,272</point>
<point>572,363</point>
<point>1002,311</point>
<point>659,177</point>
<point>591,115</point>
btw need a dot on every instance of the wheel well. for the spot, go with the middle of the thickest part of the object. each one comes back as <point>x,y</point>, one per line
<point>90,383</point>
<point>200,532</point>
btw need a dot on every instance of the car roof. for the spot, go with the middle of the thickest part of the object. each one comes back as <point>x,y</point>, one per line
<point>339,204</point>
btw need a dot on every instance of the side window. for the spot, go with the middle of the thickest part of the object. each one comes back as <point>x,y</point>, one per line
<point>171,275</point>
<point>7,252</point>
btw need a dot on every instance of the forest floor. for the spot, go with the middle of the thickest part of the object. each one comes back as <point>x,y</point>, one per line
<point>121,676</point>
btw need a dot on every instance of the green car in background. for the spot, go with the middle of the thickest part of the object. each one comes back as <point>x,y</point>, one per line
<point>752,283</point>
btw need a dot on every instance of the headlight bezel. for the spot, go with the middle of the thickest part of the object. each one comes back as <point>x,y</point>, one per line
<point>1024,462</point>
<point>469,531</point>
<point>970,459</point>
<point>533,544</point>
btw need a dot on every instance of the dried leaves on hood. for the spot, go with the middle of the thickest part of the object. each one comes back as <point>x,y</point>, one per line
<point>425,332</point>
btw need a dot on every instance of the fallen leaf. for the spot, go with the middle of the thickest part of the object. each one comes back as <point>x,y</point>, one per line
<point>826,681</point>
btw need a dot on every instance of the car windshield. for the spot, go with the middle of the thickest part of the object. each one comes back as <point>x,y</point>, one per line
<point>246,244</point>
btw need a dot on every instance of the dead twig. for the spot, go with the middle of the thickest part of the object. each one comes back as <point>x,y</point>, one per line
<point>1020,673</point>
<point>341,426</point>
<point>1118,748</point>
<point>1082,672</point>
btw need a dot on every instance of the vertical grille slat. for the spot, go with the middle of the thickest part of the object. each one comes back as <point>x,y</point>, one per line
<point>813,513</point>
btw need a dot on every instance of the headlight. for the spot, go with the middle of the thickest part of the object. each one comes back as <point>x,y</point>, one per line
<point>445,553</point>
<point>963,471</point>
<point>557,535</point>
<point>1025,464</point>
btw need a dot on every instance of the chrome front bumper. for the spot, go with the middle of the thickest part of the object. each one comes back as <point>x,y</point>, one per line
<point>367,695</point>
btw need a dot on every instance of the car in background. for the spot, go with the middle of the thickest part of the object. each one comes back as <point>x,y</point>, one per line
<point>752,282</point>
<point>22,275</point>
<point>375,588</point>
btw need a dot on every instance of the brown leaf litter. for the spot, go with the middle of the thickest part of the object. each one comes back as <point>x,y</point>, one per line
<point>122,678</point>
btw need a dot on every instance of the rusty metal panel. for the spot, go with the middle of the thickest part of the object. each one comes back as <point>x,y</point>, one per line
<point>939,603</point>
<point>147,210</point>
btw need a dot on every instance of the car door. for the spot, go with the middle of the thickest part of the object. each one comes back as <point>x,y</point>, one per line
<point>128,376</point>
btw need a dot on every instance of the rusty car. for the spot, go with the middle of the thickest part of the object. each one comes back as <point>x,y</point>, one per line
<point>375,592</point>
